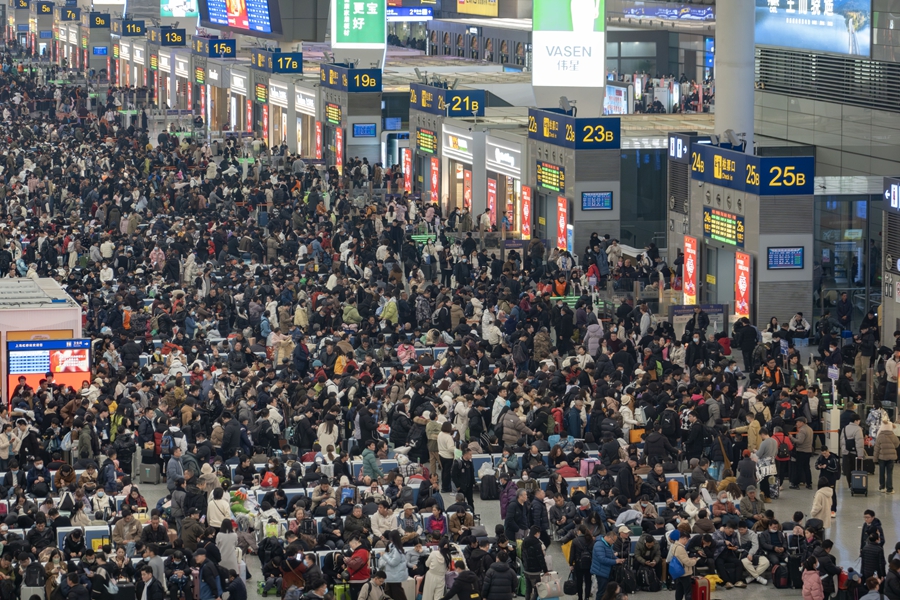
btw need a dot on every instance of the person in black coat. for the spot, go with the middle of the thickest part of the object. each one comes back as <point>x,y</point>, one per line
<point>77,591</point>
<point>154,588</point>
<point>872,556</point>
<point>500,581</point>
<point>625,480</point>
<point>534,562</point>
<point>231,435</point>
<point>539,517</point>
<point>658,446</point>
<point>400,426</point>
<point>516,515</point>
<point>465,585</point>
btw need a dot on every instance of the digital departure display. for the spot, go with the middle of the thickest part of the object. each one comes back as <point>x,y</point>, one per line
<point>259,16</point>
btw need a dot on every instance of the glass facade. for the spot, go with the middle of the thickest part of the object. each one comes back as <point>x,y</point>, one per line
<point>847,253</point>
<point>643,190</point>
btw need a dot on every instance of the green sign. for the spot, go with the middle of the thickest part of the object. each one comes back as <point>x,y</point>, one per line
<point>356,24</point>
<point>569,42</point>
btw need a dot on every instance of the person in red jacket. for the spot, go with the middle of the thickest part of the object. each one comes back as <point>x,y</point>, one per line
<point>357,566</point>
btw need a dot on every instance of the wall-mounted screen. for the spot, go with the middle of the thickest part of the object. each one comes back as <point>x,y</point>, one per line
<point>68,360</point>
<point>255,16</point>
<point>789,257</point>
<point>393,124</point>
<point>596,200</point>
<point>364,130</point>
<point>837,26</point>
<point>100,50</point>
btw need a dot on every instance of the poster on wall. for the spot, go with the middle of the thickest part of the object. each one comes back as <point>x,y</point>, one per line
<point>691,270</point>
<point>526,212</point>
<point>569,41</point>
<point>339,149</point>
<point>741,285</point>
<point>435,180</point>
<point>492,199</point>
<point>407,168</point>
<point>467,189</point>
<point>837,26</point>
<point>178,8</point>
<point>562,219</point>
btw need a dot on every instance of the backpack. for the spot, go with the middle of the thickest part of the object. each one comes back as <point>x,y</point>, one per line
<point>784,451</point>
<point>101,476</point>
<point>436,317</point>
<point>66,502</point>
<point>647,579</point>
<point>703,413</point>
<point>35,576</point>
<point>167,445</point>
<point>489,488</point>
<point>551,425</point>
<point>669,423</point>
<point>519,353</point>
<point>406,496</point>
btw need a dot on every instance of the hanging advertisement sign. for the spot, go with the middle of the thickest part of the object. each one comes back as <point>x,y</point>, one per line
<point>339,148</point>
<point>318,140</point>
<point>358,24</point>
<point>407,169</point>
<point>691,270</point>
<point>562,219</point>
<point>526,212</point>
<point>467,189</point>
<point>569,43</point>
<point>435,180</point>
<point>741,285</point>
<point>249,115</point>
<point>492,199</point>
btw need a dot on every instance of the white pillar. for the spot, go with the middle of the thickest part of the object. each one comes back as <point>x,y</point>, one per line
<point>735,56</point>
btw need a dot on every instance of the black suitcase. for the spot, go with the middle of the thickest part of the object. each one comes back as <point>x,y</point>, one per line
<point>126,591</point>
<point>859,480</point>
<point>795,572</point>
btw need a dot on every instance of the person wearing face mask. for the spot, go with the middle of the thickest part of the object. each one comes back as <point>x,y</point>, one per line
<point>39,479</point>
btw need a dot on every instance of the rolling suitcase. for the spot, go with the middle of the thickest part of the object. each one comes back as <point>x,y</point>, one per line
<point>859,480</point>
<point>149,474</point>
<point>700,589</point>
<point>126,591</point>
<point>409,588</point>
<point>195,582</point>
<point>32,593</point>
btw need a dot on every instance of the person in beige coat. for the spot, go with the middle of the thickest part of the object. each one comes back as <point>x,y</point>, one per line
<point>886,444</point>
<point>821,508</point>
<point>683,584</point>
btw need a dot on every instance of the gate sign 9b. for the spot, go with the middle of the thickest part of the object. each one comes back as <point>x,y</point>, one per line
<point>760,175</point>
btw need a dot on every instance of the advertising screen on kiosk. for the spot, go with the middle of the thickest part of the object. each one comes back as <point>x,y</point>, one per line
<point>178,8</point>
<point>69,362</point>
<point>836,26</point>
<point>569,41</point>
<point>260,17</point>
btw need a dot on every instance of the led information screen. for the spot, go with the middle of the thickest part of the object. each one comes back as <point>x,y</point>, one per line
<point>246,15</point>
<point>178,8</point>
<point>784,258</point>
<point>596,200</point>
<point>68,360</point>
<point>426,140</point>
<point>333,113</point>
<point>569,43</point>
<point>200,75</point>
<point>364,130</point>
<point>551,176</point>
<point>358,24</point>
<point>560,129</point>
<point>837,26</point>
<point>760,175</point>
<point>723,226</point>
<point>262,93</point>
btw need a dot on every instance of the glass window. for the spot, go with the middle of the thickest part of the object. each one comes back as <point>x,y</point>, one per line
<point>639,49</point>
<point>847,253</point>
<point>643,182</point>
<point>612,48</point>
<point>637,65</point>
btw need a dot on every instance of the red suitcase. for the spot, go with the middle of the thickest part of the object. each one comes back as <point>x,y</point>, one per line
<point>700,589</point>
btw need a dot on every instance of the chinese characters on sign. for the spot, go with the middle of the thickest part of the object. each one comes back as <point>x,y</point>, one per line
<point>691,270</point>
<point>839,26</point>
<point>358,24</point>
<point>723,226</point>
<point>741,285</point>
<point>562,219</point>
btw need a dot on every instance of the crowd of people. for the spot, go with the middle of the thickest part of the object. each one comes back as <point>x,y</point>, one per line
<point>233,355</point>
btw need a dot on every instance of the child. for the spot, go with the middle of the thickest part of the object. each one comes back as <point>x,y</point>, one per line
<point>272,575</point>
<point>812,582</point>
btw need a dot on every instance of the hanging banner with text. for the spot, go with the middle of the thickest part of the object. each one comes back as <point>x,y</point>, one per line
<point>435,180</point>
<point>691,270</point>
<point>741,285</point>
<point>526,212</point>
<point>562,219</point>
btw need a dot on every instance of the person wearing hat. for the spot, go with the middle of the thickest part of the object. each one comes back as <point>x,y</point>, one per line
<point>410,524</point>
<point>683,584</point>
<point>191,529</point>
<point>210,583</point>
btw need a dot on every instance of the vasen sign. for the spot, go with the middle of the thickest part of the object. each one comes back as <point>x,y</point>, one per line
<point>569,43</point>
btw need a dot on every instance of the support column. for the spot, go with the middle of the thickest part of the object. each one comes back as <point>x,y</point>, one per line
<point>735,56</point>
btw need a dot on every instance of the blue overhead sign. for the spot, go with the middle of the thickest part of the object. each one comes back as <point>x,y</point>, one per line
<point>441,101</point>
<point>409,13</point>
<point>560,129</point>
<point>760,175</point>
<point>345,79</point>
